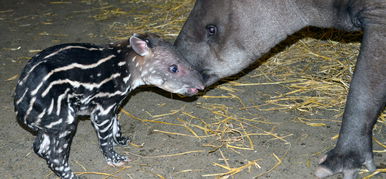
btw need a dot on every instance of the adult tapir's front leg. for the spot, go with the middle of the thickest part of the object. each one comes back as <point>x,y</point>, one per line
<point>366,99</point>
<point>107,129</point>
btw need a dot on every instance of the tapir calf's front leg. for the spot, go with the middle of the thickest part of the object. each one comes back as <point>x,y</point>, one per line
<point>117,135</point>
<point>107,130</point>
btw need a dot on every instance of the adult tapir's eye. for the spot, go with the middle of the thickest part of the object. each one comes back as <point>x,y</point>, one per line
<point>211,30</point>
<point>173,68</point>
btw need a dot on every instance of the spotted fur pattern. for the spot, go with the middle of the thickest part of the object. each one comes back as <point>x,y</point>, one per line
<point>68,80</point>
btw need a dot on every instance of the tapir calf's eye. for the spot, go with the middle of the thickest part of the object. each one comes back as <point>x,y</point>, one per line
<point>173,68</point>
<point>211,30</point>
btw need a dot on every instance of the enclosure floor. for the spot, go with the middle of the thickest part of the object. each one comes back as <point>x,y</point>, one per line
<point>274,121</point>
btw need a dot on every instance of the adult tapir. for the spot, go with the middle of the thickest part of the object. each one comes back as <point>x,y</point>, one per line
<point>222,37</point>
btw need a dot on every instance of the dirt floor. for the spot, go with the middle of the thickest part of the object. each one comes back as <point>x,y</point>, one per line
<point>275,121</point>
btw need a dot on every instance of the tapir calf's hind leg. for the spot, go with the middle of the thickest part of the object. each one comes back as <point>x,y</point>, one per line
<point>55,149</point>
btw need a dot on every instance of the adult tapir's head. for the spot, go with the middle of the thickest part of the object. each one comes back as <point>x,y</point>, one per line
<point>222,37</point>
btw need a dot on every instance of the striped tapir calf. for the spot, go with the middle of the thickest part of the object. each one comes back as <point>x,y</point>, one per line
<point>68,80</point>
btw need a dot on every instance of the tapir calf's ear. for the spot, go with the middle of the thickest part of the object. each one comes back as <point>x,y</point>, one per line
<point>139,46</point>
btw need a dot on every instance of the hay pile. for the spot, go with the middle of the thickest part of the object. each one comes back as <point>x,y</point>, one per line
<point>161,17</point>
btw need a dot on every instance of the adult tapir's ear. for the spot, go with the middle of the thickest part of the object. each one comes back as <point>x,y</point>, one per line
<point>139,46</point>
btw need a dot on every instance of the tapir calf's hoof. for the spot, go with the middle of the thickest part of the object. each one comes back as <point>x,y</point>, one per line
<point>118,163</point>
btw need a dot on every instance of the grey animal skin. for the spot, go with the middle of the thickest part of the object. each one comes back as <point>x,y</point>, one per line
<point>222,37</point>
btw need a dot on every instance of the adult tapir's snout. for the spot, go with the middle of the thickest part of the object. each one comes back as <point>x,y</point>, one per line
<point>210,60</point>
<point>196,57</point>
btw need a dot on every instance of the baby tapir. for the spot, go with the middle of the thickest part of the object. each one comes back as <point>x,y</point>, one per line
<point>68,80</point>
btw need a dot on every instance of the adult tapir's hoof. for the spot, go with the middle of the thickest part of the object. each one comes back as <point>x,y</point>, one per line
<point>347,163</point>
